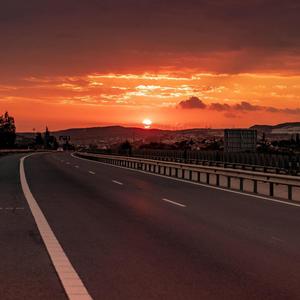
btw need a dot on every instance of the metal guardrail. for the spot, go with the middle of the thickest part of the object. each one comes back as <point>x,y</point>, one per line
<point>209,175</point>
<point>261,162</point>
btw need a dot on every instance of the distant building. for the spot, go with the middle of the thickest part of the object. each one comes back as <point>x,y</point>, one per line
<point>240,140</point>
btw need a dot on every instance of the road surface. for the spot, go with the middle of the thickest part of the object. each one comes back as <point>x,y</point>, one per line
<point>131,235</point>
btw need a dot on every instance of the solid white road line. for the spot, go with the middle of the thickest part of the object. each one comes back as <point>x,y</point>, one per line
<point>117,182</point>
<point>69,278</point>
<point>173,202</point>
<point>91,172</point>
<point>195,183</point>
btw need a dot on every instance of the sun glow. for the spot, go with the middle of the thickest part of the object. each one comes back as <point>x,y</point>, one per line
<point>147,123</point>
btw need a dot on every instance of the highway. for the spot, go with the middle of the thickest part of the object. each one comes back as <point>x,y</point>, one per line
<point>131,235</point>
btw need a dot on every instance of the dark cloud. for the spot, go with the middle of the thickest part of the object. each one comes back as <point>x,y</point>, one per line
<point>219,106</point>
<point>231,36</point>
<point>246,106</point>
<point>243,106</point>
<point>192,103</point>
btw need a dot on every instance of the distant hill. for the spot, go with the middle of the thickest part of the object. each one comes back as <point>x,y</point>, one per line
<point>286,125</point>
<point>264,128</point>
<point>116,134</point>
<point>283,128</point>
<point>109,132</point>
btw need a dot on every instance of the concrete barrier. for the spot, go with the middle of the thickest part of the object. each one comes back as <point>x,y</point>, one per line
<point>273,185</point>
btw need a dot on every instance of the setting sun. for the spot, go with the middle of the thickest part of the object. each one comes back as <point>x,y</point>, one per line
<point>147,123</point>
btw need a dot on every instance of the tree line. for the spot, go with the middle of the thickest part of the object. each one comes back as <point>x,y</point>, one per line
<point>8,136</point>
<point>7,131</point>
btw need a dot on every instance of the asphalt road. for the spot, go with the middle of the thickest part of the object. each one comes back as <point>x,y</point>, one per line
<point>131,235</point>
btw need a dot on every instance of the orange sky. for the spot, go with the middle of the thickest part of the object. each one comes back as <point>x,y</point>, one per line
<point>80,63</point>
<point>105,99</point>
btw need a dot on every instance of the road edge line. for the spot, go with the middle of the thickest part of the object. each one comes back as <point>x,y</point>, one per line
<point>72,284</point>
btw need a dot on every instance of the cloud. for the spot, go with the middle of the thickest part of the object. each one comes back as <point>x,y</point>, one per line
<point>246,106</point>
<point>230,115</point>
<point>230,36</point>
<point>192,103</point>
<point>219,106</point>
<point>196,103</point>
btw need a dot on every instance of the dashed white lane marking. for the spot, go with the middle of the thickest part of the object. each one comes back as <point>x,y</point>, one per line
<point>76,167</point>
<point>91,172</point>
<point>117,182</point>
<point>69,278</point>
<point>67,163</point>
<point>173,202</point>
<point>193,182</point>
<point>274,238</point>
<point>11,208</point>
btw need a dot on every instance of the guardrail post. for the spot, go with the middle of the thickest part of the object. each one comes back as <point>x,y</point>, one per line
<point>241,184</point>
<point>255,186</point>
<point>271,186</point>
<point>290,192</point>
<point>229,182</point>
<point>207,178</point>
<point>198,176</point>
<point>217,180</point>
<point>176,172</point>
<point>190,175</point>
